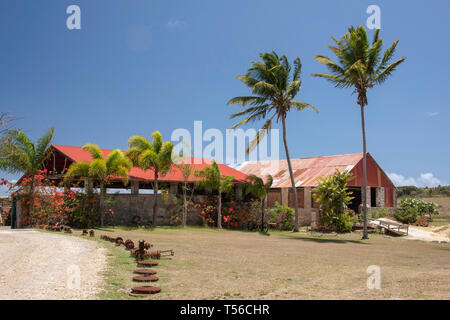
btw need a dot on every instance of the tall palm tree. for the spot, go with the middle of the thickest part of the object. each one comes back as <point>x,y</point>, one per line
<point>361,66</point>
<point>21,155</point>
<point>259,189</point>
<point>156,156</point>
<point>213,180</point>
<point>274,91</point>
<point>100,170</point>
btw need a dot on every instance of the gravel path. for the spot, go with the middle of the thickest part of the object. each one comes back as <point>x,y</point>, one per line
<point>38,265</point>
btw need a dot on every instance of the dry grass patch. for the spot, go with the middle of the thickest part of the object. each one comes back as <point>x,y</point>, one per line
<point>222,264</point>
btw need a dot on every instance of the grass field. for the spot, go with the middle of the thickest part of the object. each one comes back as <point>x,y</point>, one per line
<point>222,264</point>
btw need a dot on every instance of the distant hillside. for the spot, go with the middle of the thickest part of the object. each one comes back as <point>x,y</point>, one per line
<point>412,191</point>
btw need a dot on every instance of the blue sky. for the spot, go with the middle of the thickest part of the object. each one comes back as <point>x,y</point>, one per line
<point>140,66</point>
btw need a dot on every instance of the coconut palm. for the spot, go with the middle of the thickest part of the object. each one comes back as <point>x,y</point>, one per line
<point>100,170</point>
<point>256,187</point>
<point>213,180</point>
<point>274,90</point>
<point>21,155</point>
<point>156,156</point>
<point>360,66</point>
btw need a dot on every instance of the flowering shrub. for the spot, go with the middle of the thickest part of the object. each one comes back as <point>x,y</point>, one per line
<point>234,214</point>
<point>50,204</point>
<point>411,209</point>
<point>283,216</point>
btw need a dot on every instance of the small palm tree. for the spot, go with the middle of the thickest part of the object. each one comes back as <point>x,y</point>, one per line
<point>156,156</point>
<point>256,187</point>
<point>213,180</point>
<point>188,170</point>
<point>274,91</point>
<point>100,170</point>
<point>21,155</point>
<point>361,66</point>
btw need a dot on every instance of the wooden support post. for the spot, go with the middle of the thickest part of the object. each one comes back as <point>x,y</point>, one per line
<point>284,196</point>
<point>134,187</point>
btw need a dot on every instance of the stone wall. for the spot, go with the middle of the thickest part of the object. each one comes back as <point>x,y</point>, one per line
<point>5,210</point>
<point>141,205</point>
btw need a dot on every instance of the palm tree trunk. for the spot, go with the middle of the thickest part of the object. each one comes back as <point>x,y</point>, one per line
<point>184,204</point>
<point>155,200</point>
<point>31,207</point>
<point>102,204</point>
<point>294,189</point>
<point>219,210</point>
<point>364,191</point>
<point>262,214</point>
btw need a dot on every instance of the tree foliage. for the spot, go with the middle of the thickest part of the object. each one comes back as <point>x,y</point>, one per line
<point>155,155</point>
<point>333,196</point>
<point>100,170</point>
<point>212,180</point>
<point>274,84</point>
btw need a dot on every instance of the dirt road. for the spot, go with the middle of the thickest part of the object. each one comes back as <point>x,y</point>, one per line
<point>38,265</point>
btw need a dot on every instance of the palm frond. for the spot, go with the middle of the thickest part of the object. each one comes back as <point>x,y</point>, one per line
<point>77,170</point>
<point>380,78</point>
<point>300,106</point>
<point>94,150</point>
<point>139,143</point>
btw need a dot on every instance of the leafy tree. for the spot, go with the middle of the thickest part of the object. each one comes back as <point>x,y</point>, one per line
<point>256,187</point>
<point>274,90</point>
<point>187,171</point>
<point>156,156</point>
<point>333,196</point>
<point>213,180</point>
<point>5,125</point>
<point>361,66</point>
<point>100,170</point>
<point>21,155</point>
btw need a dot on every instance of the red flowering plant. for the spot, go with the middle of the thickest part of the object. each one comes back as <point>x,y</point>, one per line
<point>234,214</point>
<point>49,204</point>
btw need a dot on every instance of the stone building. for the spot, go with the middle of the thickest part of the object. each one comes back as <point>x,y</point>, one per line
<point>135,200</point>
<point>381,192</point>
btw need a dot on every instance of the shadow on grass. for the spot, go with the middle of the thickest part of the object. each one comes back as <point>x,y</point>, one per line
<point>323,240</point>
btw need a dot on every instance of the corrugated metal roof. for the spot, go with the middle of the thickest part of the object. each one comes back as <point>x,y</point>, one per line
<point>78,154</point>
<point>307,171</point>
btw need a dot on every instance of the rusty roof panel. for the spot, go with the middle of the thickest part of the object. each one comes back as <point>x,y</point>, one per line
<point>307,171</point>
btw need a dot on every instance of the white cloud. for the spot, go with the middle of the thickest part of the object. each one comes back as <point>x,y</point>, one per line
<point>176,24</point>
<point>432,114</point>
<point>424,180</point>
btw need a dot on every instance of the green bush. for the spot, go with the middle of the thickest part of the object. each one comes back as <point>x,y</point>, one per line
<point>411,209</point>
<point>344,222</point>
<point>333,196</point>
<point>406,215</point>
<point>283,215</point>
<point>379,213</point>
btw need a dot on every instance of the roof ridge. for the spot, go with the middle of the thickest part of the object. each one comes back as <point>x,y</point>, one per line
<point>336,155</point>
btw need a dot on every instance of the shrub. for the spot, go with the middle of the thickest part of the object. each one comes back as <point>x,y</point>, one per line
<point>379,213</point>
<point>406,215</point>
<point>283,216</point>
<point>333,196</point>
<point>234,214</point>
<point>411,209</point>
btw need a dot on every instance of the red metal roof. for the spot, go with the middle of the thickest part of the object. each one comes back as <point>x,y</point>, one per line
<point>307,171</point>
<point>78,154</point>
